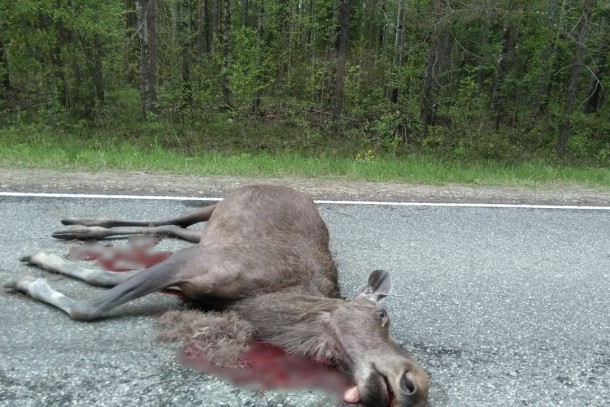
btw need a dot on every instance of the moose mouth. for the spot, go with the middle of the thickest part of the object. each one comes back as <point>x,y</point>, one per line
<point>352,395</point>
<point>388,393</point>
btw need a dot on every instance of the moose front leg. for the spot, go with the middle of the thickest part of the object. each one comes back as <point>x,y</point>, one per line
<point>127,285</point>
<point>40,290</point>
<point>95,276</point>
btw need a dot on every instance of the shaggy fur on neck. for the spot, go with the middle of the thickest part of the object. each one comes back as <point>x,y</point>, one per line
<point>221,336</point>
<point>298,323</point>
<point>295,322</point>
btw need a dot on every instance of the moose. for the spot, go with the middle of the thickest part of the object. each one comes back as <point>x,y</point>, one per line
<point>263,254</point>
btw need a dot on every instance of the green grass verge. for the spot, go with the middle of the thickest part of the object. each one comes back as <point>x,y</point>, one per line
<point>63,153</point>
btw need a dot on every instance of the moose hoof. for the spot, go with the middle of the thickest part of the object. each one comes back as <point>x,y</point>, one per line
<point>21,285</point>
<point>81,232</point>
<point>45,260</point>
<point>85,221</point>
<point>37,257</point>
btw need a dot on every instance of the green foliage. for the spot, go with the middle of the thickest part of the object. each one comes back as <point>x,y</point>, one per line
<point>73,68</point>
<point>244,74</point>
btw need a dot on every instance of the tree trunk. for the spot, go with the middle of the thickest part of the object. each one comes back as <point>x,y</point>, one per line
<point>260,12</point>
<point>344,12</point>
<point>309,28</point>
<point>597,93</point>
<point>153,50</point>
<point>184,34</point>
<point>435,56</point>
<point>202,28</point>
<point>6,79</point>
<point>384,34</point>
<point>398,45</point>
<point>483,45</point>
<point>98,70</point>
<point>244,13</point>
<point>550,56</point>
<point>147,55</point>
<point>582,29</point>
<point>505,60</point>
<point>58,62</point>
<point>215,23</point>
<point>283,21</point>
<point>143,60</point>
<point>226,30</point>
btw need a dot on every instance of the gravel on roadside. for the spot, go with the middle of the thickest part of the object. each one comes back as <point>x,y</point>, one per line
<point>147,183</point>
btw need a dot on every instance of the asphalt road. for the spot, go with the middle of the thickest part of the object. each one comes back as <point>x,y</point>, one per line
<point>502,306</point>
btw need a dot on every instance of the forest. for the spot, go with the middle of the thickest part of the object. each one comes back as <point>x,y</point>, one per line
<point>503,80</point>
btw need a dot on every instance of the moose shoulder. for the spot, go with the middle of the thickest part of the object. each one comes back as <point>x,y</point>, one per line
<point>264,254</point>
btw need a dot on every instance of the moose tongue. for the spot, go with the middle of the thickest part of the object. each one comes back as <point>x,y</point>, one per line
<point>265,366</point>
<point>351,395</point>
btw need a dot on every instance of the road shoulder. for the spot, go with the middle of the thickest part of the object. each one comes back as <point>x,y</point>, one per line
<point>146,183</point>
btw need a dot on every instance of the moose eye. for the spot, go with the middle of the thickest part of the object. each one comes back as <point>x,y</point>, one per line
<point>381,313</point>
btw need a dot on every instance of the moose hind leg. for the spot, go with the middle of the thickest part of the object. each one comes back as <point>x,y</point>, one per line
<point>200,215</point>
<point>100,228</point>
<point>97,232</point>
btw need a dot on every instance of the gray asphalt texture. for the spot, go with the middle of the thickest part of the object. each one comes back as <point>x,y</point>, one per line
<point>503,307</point>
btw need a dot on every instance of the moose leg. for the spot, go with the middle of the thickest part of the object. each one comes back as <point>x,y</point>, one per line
<point>155,278</point>
<point>200,215</point>
<point>100,228</point>
<point>94,276</point>
<point>96,232</point>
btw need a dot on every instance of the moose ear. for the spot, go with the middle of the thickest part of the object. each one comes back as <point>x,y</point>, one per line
<point>378,286</point>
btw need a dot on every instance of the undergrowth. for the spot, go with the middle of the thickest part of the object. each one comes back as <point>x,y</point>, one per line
<point>292,141</point>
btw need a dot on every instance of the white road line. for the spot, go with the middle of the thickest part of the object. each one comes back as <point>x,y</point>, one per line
<point>104,196</point>
<point>379,203</point>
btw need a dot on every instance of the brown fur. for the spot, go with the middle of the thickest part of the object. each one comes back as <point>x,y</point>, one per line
<point>264,259</point>
<point>221,336</point>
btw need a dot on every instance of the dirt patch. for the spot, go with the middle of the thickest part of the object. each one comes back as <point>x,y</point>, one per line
<point>145,183</point>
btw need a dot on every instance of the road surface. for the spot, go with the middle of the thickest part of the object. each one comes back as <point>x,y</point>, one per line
<point>502,306</point>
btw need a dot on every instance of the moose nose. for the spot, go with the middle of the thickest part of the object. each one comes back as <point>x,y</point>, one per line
<point>407,385</point>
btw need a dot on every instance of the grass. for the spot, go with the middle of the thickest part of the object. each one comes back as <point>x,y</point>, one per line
<point>65,153</point>
<point>290,145</point>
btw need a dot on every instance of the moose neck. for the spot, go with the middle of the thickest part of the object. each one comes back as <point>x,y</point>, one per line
<point>296,322</point>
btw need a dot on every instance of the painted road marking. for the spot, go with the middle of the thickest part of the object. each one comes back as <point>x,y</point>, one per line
<point>320,201</point>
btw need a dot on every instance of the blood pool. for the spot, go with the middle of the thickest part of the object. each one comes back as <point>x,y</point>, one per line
<point>265,366</point>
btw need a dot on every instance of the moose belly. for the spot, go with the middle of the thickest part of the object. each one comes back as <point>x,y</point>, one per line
<point>237,271</point>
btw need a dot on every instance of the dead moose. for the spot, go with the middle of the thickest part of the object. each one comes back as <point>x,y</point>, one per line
<point>264,255</point>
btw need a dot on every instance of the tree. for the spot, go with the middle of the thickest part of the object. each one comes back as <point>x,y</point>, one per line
<point>505,61</point>
<point>185,42</point>
<point>597,94</point>
<point>202,28</point>
<point>260,28</point>
<point>4,67</point>
<point>550,57</point>
<point>146,11</point>
<point>435,60</point>
<point>464,67</point>
<point>398,45</point>
<point>573,83</point>
<point>226,32</point>
<point>342,49</point>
